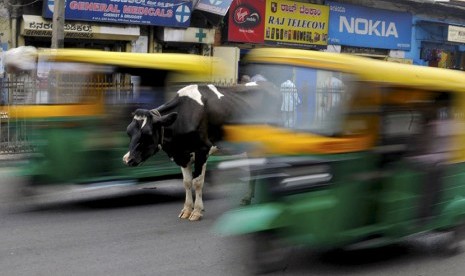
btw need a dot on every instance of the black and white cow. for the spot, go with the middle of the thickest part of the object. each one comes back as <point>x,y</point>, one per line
<point>187,127</point>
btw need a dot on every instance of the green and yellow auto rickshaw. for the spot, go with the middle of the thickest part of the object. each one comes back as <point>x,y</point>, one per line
<point>78,107</point>
<point>372,152</point>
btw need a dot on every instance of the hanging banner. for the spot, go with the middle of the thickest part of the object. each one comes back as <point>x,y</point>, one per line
<point>171,13</point>
<point>295,23</point>
<point>358,26</point>
<point>219,7</point>
<point>246,21</point>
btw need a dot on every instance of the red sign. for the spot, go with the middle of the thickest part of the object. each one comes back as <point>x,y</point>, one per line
<point>247,21</point>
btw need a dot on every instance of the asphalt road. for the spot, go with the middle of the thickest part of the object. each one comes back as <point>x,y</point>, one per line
<point>140,234</point>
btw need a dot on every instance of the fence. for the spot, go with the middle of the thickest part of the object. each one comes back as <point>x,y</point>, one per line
<point>55,89</point>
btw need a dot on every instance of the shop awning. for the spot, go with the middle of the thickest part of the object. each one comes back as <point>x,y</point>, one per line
<point>33,25</point>
<point>214,6</point>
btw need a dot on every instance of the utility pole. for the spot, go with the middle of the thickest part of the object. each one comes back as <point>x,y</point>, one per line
<point>58,32</point>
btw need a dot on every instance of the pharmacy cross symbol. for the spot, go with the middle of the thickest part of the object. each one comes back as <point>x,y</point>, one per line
<point>200,35</point>
<point>183,13</point>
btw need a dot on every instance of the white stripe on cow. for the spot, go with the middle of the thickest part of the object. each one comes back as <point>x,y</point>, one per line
<point>191,91</point>
<point>214,89</point>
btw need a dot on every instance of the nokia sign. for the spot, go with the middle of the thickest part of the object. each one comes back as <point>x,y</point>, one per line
<point>367,27</point>
<point>364,26</point>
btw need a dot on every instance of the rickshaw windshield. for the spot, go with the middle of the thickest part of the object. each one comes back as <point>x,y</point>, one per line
<point>71,83</point>
<point>312,100</point>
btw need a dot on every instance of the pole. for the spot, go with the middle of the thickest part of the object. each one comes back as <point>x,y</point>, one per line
<point>58,33</point>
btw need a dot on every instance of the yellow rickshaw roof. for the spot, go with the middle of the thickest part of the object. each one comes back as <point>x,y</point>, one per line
<point>186,63</point>
<point>390,73</point>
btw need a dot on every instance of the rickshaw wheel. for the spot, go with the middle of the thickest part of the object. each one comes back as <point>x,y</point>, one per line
<point>452,245</point>
<point>270,252</point>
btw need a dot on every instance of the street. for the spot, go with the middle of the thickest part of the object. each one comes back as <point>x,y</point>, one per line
<point>139,233</point>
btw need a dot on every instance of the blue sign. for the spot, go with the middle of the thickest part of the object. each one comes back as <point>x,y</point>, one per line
<point>170,13</point>
<point>358,26</point>
<point>219,7</point>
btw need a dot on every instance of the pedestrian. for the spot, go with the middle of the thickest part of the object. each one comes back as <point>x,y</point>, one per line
<point>290,100</point>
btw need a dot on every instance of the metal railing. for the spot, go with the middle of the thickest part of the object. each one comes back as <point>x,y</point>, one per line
<point>60,89</point>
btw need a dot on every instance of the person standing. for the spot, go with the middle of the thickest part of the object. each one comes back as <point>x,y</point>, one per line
<point>290,100</point>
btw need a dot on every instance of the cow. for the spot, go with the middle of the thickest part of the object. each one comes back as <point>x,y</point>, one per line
<point>187,127</point>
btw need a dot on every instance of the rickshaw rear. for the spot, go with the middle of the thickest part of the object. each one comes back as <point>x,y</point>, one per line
<point>77,115</point>
<point>359,166</point>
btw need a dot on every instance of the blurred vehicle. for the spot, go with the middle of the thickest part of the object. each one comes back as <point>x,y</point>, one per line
<point>77,110</point>
<point>375,155</point>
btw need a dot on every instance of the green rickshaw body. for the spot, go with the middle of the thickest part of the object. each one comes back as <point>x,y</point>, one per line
<point>76,116</point>
<point>351,171</point>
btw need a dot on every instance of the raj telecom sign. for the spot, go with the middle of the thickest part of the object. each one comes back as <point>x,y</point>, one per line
<point>367,27</point>
<point>295,23</point>
<point>219,7</point>
<point>171,13</point>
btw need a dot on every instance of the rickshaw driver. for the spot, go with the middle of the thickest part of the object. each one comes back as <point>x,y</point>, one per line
<point>431,152</point>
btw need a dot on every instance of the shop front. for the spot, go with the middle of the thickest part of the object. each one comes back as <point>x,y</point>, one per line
<point>115,25</point>
<point>37,31</point>
<point>278,23</point>
<point>376,33</point>
<point>440,44</point>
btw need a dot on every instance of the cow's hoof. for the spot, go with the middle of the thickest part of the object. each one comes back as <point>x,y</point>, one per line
<point>195,216</point>
<point>185,213</point>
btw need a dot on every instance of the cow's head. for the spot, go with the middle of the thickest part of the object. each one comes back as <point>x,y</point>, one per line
<point>146,135</point>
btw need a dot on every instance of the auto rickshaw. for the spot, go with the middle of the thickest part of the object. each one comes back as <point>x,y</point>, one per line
<point>375,155</point>
<point>77,111</point>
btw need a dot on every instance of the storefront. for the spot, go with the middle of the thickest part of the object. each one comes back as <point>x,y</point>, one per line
<point>37,31</point>
<point>115,25</point>
<point>278,23</point>
<point>375,33</point>
<point>440,44</point>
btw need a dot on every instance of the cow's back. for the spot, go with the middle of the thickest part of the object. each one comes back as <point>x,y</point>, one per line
<point>241,103</point>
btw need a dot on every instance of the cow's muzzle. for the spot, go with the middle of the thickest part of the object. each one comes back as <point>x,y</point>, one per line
<point>129,160</point>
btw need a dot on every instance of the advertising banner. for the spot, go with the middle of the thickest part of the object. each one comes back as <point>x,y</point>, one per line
<point>358,26</point>
<point>456,34</point>
<point>219,7</point>
<point>246,21</point>
<point>295,23</point>
<point>171,13</point>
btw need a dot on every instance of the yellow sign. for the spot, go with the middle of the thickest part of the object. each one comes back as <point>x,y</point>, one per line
<point>288,23</point>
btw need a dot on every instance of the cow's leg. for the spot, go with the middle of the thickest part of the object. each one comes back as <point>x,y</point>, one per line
<point>187,181</point>
<point>200,167</point>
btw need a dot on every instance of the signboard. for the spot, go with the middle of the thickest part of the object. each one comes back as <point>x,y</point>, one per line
<point>296,23</point>
<point>192,35</point>
<point>358,26</point>
<point>171,13</point>
<point>219,7</point>
<point>34,25</point>
<point>278,22</point>
<point>456,34</point>
<point>247,21</point>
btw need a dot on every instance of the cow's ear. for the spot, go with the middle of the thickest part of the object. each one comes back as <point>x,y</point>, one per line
<point>167,120</point>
